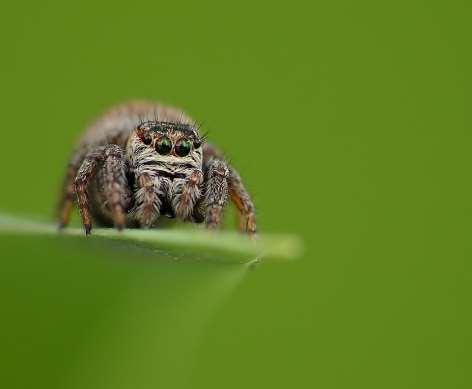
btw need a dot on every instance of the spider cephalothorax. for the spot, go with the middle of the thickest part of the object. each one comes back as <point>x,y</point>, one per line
<point>129,171</point>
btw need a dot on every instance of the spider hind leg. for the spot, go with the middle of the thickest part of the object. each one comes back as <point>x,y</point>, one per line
<point>242,200</point>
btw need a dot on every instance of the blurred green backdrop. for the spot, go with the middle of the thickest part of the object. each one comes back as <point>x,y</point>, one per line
<point>350,123</point>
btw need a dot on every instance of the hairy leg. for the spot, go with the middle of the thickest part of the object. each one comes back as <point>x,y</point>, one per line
<point>186,195</point>
<point>110,159</point>
<point>216,191</point>
<point>115,195</point>
<point>237,192</point>
<point>148,203</point>
<point>241,199</point>
<point>67,196</point>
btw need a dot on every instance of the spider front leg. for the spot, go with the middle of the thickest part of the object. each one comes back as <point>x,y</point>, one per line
<point>148,203</point>
<point>216,192</point>
<point>187,193</point>
<point>112,184</point>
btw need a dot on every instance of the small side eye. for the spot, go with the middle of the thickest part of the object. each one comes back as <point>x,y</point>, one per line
<point>147,139</point>
<point>164,146</point>
<point>144,136</point>
<point>182,147</point>
<point>197,144</point>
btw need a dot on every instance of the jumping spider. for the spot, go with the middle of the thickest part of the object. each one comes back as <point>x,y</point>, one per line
<point>141,160</point>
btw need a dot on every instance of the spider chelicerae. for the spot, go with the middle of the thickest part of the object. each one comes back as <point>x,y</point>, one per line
<point>141,160</point>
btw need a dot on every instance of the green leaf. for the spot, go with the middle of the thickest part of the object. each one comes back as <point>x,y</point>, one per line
<point>195,243</point>
<point>111,310</point>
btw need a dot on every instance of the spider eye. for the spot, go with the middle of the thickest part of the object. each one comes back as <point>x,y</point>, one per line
<point>147,139</point>
<point>164,146</point>
<point>182,147</point>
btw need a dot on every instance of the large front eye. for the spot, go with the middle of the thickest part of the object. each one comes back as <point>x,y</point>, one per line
<point>164,146</point>
<point>182,147</point>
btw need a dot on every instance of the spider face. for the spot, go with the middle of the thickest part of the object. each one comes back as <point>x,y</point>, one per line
<point>178,140</point>
<point>169,149</point>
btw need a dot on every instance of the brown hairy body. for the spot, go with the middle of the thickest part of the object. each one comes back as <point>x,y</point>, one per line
<point>141,160</point>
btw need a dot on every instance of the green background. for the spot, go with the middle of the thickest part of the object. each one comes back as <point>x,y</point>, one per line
<point>350,124</point>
